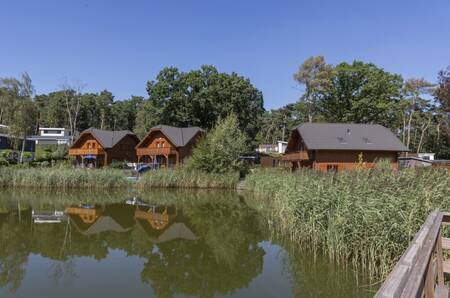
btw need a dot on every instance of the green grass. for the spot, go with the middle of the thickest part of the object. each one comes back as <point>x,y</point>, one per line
<point>364,218</point>
<point>187,178</point>
<point>70,178</point>
<point>61,178</point>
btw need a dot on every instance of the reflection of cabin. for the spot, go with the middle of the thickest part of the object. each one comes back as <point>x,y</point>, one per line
<point>160,226</point>
<point>110,218</point>
<point>332,147</point>
<point>168,145</point>
<point>97,148</point>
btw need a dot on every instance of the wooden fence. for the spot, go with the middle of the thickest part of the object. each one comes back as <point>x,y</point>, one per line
<point>420,270</point>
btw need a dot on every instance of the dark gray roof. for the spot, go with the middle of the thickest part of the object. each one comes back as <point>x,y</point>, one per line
<point>340,136</point>
<point>179,136</point>
<point>108,138</point>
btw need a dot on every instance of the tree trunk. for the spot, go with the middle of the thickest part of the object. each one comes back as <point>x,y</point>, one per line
<point>23,148</point>
<point>422,135</point>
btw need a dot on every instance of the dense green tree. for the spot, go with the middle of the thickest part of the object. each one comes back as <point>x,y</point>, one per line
<point>19,113</point>
<point>200,98</point>
<point>219,152</point>
<point>124,112</point>
<point>361,93</point>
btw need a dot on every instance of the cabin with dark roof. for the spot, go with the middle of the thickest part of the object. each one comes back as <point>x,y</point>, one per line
<point>95,147</point>
<point>168,146</point>
<point>334,147</point>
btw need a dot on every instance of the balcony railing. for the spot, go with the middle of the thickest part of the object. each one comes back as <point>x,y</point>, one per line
<point>155,151</point>
<point>91,151</point>
<point>299,155</point>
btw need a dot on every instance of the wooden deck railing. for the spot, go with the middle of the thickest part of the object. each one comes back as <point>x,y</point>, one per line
<point>295,156</point>
<point>155,151</point>
<point>90,151</point>
<point>420,270</point>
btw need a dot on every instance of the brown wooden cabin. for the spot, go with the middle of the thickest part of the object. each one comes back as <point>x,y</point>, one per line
<point>334,147</point>
<point>97,148</point>
<point>167,145</point>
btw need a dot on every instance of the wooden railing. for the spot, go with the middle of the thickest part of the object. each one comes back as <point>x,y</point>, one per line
<point>154,151</point>
<point>292,156</point>
<point>420,270</point>
<point>91,151</point>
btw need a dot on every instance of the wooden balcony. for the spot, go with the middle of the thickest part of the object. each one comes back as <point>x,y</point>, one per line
<point>155,151</point>
<point>295,156</point>
<point>92,151</point>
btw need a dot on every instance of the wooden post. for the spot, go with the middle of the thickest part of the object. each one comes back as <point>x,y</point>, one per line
<point>439,261</point>
<point>177,159</point>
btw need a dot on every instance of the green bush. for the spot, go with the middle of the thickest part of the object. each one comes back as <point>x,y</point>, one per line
<point>219,152</point>
<point>366,218</point>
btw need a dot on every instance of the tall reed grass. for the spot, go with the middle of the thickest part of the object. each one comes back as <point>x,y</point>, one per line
<point>187,178</point>
<point>365,218</point>
<point>61,178</point>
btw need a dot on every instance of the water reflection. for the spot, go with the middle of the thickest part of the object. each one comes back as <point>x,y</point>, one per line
<point>166,245</point>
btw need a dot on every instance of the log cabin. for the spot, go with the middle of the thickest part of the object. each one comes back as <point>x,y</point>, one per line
<point>168,146</point>
<point>335,147</point>
<point>97,148</point>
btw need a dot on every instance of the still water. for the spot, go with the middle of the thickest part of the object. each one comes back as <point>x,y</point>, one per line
<point>160,244</point>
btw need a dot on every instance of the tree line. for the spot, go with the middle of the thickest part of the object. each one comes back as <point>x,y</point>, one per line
<point>416,110</point>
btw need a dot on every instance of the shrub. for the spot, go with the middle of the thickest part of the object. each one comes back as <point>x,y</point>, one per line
<point>219,152</point>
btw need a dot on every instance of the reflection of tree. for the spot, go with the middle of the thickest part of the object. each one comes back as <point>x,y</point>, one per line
<point>226,256</point>
<point>13,249</point>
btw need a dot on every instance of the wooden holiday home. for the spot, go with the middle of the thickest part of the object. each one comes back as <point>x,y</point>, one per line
<point>97,148</point>
<point>334,147</point>
<point>168,146</point>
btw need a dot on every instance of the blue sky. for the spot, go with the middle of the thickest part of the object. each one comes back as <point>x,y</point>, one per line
<point>119,45</point>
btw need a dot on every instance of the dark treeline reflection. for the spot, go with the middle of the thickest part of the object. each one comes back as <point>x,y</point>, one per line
<point>197,247</point>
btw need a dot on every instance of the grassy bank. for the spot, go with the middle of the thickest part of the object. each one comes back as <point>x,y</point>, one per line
<point>69,178</point>
<point>366,218</point>
<point>61,178</point>
<point>184,178</point>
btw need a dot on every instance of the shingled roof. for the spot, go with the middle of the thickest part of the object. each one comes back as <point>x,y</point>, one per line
<point>179,136</point>
<point>341,136</point>
<point>108,138</point>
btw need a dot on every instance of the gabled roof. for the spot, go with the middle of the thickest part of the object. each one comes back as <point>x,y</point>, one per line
<point>341,136</point>
<point>108,138</point>
<point>179,136</point>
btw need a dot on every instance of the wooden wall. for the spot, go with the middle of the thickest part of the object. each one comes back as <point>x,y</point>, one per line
<point>156,140</point>
<point>348,160</point>
<point>186,151</point>
<point>87,141</point>
<point>124,150</point>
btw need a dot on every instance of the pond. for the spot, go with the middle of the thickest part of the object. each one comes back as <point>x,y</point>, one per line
<point>158,244</point>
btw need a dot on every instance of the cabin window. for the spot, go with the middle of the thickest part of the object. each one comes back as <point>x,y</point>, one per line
<point>89,145</point>
<point>332,168</point>
<point>162,144</point>
<point>93,145</point>
<point>342,140</point>
<point>158,145</point>
<point>367,141</point>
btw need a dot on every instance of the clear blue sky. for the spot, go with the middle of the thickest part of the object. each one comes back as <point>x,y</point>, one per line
<point>119,45</point>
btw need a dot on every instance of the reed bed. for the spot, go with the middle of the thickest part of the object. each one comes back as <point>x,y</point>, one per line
<point>365,218</point>
<point>187,178</point>
<point>61,178</point>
